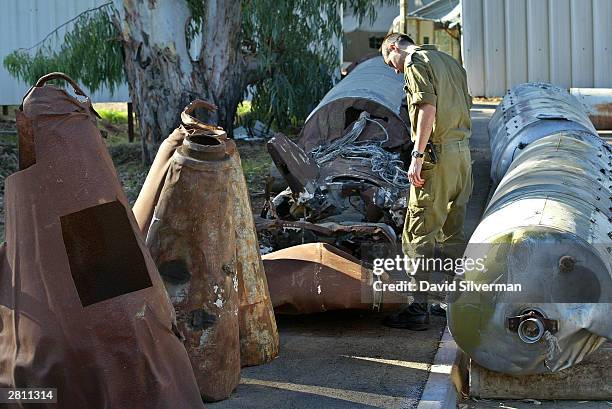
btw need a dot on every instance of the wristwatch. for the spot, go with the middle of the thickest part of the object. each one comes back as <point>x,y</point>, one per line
<point>417,154</point>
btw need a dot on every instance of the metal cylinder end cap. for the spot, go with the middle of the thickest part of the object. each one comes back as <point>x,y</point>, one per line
<point>531,330</point>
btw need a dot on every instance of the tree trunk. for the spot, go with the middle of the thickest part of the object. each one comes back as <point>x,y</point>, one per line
<point>157,64</point>
<point>222,63</point>
<point>161,75</point>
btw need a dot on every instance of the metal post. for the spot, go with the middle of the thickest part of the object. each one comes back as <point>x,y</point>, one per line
<point>130,118</point>
<point>404,16</point>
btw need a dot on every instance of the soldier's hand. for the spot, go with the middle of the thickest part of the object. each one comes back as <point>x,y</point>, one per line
<point>414,172</point>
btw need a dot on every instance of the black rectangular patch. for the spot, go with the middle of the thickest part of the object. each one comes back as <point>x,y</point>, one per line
<point>104,256</point>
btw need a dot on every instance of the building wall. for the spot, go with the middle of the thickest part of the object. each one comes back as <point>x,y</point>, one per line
<point>24,23</point>
<point>356,42</point>
<point>508,42</point>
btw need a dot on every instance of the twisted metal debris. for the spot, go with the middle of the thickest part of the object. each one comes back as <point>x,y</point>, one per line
<point>385,164</point>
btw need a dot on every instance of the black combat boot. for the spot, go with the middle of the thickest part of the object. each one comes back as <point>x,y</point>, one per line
<point>438,309</point>
<point>414,317</point>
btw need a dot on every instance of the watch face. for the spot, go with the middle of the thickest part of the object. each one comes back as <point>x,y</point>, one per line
<point>417,154</point>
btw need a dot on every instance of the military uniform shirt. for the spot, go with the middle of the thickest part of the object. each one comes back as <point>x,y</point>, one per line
<point>436,78</point>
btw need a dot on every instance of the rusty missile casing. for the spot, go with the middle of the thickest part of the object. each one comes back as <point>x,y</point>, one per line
<point>151,189</point>
<point>259,340</point>
<point>313,277</point>
<point>258,333</point>
<point>149,193</point>
<point>317,277</point>
<point>371,86</point>
<point>82,306</point>
<point>189,241</point>
<point>547,228</point>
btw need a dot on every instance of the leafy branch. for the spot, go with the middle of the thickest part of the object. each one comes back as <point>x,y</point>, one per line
<point>90,53</point>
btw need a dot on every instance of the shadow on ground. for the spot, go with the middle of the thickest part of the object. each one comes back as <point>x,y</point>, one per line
<point>343,359</point>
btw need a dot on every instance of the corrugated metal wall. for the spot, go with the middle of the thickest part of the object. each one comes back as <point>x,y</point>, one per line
<point>508,42</point>
<point>24,23</point>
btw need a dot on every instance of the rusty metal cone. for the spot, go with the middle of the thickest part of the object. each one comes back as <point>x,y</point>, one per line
<point>259,341</point>
<point>197,259</point>
<point>83,307</point>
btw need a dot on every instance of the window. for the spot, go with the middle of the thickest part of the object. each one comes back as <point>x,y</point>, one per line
<point>376,42</point>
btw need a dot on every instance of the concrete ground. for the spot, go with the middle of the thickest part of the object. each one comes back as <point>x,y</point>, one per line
<point>347,359</point>
<point>342,359</point>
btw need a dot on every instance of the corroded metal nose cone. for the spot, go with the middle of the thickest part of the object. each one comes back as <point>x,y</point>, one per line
<point>204,147</point>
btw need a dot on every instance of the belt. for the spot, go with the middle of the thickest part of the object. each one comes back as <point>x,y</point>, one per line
<point>455,146</point>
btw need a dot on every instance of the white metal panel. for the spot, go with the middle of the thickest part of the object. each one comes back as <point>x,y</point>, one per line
<point>560,40</point>
<point>24,23</point>
<point>494,47</point>
<point>473,45</point>
<point>537,43</point>
<point>582,43</point>
<point>515,27</point>
<point>566,42</point>
<point>602,43</point>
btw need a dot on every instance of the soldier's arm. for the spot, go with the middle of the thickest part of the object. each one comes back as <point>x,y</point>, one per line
<point>420,81</point>
<point>426,116</point>
<point>423,96</point>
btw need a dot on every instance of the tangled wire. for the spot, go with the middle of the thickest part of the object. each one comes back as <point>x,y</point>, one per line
<point>388,166</point>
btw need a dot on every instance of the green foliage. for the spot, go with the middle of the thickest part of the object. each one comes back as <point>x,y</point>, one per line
<point>244,108</point>
<point>295,42</point>
<point>256,163</point>
<point>113,116</point>
<point>197,17</point>
<point>90,53</point>
<point>245,115</point>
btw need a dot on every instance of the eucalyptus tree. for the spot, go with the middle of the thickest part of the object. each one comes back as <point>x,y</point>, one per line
<point>173,51</point>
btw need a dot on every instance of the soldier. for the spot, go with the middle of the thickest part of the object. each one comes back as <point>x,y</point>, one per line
<point>440,170</point>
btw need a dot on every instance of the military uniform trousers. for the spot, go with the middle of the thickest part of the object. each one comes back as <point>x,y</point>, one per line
<point>436,211</point>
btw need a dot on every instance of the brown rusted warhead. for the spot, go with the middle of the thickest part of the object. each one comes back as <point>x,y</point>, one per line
<point>196,256</point>
<point>259,340</point>
<point>317,277</point>
<point>83,308</point>
<point>199,141</point>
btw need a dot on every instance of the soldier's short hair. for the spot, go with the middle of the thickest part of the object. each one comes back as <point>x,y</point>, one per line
<point>399,39</point>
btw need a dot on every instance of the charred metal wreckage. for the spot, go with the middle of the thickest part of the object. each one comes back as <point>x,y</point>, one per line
<point>547,227</point>
<point>345,175</point>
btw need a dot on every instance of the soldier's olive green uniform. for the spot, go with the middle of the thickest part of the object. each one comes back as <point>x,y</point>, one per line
<point>436,211</point>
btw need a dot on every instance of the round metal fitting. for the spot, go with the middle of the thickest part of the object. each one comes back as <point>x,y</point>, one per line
<point>531,330</point>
